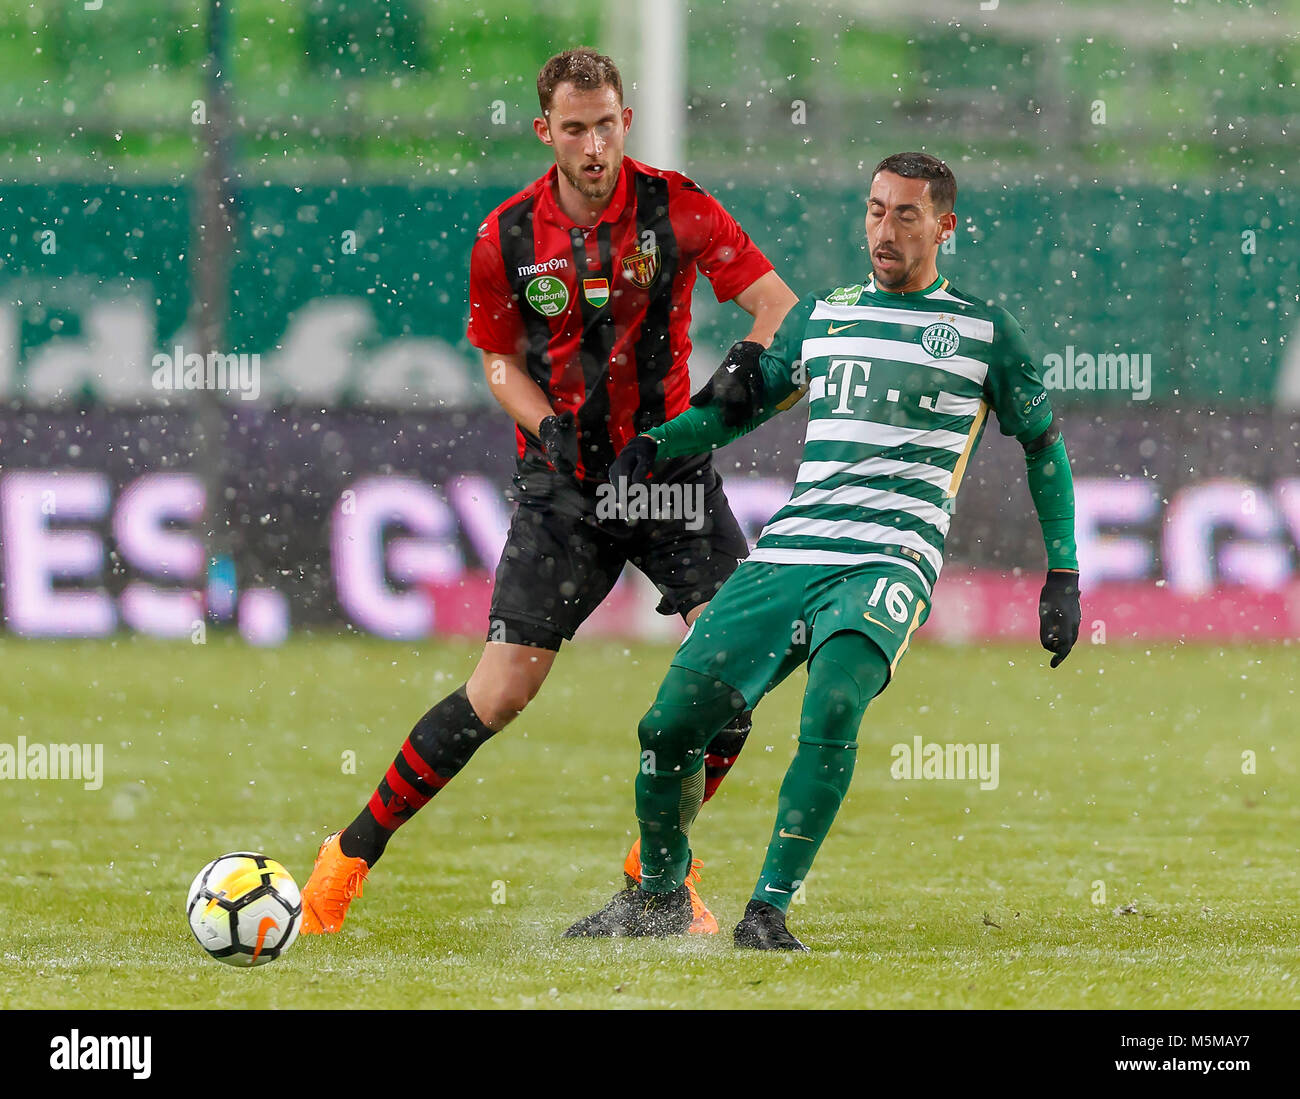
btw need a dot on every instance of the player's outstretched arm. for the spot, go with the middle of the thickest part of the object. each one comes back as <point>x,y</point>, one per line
<point>706,427</point>
<point>1051,485</point>
<point>740,386</point>
<point>695,431</point>
<point>752,384</point>
<point>775,382</point>
<point>768,300</point>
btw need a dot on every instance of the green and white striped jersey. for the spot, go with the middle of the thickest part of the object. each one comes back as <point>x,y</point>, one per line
<point>899,387</point>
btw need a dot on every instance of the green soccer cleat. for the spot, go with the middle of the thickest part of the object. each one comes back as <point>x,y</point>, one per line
<point>763,928</point>
<point>637,914</point>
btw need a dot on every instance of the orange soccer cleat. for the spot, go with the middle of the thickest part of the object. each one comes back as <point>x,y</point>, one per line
<point>334,881</point>
<point>704,922</point>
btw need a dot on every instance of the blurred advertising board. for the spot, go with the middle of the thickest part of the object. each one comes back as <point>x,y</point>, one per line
<point>392,523</point>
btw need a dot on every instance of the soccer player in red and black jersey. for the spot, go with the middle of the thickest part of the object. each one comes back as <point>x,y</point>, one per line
<point>580,295</point>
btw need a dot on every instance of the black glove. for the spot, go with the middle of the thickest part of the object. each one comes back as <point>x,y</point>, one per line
<point>736,386</point>
<point>634,461</point>
<point>1058,614</point>
<point>559,436</point>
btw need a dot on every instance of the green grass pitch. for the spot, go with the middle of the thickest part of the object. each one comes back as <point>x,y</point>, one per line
<point>1124,767</point>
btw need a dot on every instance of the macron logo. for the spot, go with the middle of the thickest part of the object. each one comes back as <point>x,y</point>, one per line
<point>557,264</point>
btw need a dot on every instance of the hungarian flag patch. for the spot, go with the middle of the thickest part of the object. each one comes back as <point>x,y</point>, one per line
<point>596,291</point>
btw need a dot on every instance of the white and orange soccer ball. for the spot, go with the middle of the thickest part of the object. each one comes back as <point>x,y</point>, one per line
<point>244,909</point>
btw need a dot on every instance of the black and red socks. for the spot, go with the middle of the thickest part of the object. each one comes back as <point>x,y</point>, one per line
<point>439,746</point>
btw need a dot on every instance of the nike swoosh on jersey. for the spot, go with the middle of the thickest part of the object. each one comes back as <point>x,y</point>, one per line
<point>831,330</point>
<point>886,625</point>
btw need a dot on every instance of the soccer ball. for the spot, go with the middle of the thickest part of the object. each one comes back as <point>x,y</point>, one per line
<point>244,909</point>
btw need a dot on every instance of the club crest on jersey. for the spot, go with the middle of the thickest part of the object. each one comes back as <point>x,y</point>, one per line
<point>548,295</point>
<point>940,340</point>
<point>640,268</point>
<point>596,291</point>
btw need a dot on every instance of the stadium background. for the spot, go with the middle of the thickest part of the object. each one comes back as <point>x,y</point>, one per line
<point>1128,186</point>
<point>1127,189</point>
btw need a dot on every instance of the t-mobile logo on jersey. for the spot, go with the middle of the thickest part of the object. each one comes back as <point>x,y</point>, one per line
<point>845,386</point>
<point>631,502</point>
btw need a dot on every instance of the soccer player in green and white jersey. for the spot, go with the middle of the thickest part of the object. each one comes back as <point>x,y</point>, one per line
<point>900,374</point>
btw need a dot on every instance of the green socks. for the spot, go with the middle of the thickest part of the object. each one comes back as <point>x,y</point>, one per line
<point>688,712</point>
<point>845,674</point>
<point>810,796</point>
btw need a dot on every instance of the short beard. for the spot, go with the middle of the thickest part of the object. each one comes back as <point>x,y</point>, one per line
<point>902,279</point>
<point>587,189</point>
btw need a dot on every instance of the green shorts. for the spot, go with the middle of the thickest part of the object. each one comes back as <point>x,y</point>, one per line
<point>768,619</point>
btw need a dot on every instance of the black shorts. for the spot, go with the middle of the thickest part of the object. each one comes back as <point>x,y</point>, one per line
<point>564,552</point>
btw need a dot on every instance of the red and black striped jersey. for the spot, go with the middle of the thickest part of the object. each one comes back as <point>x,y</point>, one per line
<point>602,313</point>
